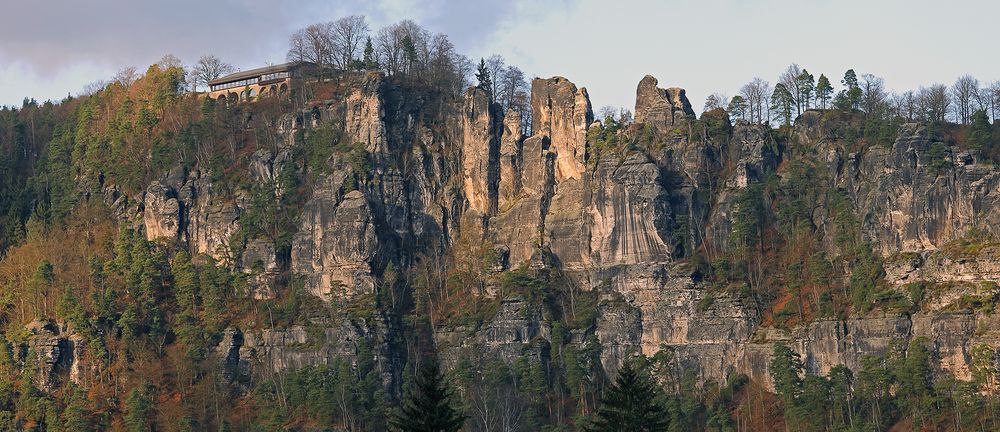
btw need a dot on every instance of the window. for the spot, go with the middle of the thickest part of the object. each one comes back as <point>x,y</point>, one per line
<point>274,76</point>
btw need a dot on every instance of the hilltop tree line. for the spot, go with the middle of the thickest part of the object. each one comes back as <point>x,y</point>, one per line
<point>798,90</point>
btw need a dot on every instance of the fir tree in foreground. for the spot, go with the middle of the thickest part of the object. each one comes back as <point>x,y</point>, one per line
<point>630,404</point>
<point>428,404</point>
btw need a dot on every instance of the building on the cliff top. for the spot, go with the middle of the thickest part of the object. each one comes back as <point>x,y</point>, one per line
<point>260,82</point>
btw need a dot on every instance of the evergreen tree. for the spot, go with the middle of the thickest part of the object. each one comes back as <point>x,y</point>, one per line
<point>850,79</point>
<point>186,286</point>
<point>630,404</point>
<point>842,394</point>
<point>806,84</point>
<point>368,61</point>
<point>823,91</point>
<point>786,371</point>
<point>483,76</point>
<point>738,107</point>
<point>781,104</point>
<point>980,132</point>
<point>429,404</point>
<point>74,416</point>
<point>409,52</point>
<point>912,374</point>
<point>850,97</point>
<point>139,409</point>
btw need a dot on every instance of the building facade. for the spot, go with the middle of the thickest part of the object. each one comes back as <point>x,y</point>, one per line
<point>261,82</point>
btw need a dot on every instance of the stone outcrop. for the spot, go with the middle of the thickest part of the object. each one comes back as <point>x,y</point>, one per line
<point>481,152</point>
<point>512,333</point>
<point>660,107</point>
<point>511,160</point>
<point>563,114</point>
<point>249,355</point>
<point>53,354</point>
<point>630,213</point>
<point>917,199</point>
<point>162,214</point>
<point>183,206</point>
<point>364,119</point>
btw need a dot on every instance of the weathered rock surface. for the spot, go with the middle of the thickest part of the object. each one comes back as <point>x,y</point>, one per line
<point>512,333</point>
<point>334,249</point>
<point>660,107</point>
<point>480,152</point>
<point>162,214</point>
<point>251,355</point>
<point>53,355</point>
<point>364,121</point>
<point>914,202</point>
<point>511,147</point>
<point>562,113</point>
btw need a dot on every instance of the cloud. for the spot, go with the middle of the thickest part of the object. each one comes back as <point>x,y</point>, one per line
<point>54,44</point>
<point>52,35</point>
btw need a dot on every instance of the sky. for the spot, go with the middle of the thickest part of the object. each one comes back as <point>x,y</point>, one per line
<point>52,48</point>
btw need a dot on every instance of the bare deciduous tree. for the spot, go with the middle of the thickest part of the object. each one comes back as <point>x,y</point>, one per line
<point>93,87</point>
<point>170,61</point>
<point>495,65</point>
<point>933,102</point>
<point>994,97</point>
<point>511,82</point>
<point>127,76</point>
<point>756,94</point>
<point>873,95</point>
<point>312,44</point>
<point>905,106</point>
<point>964,93</point>
<point>403,47</point>
<point>208,68</point>
<point>349,33</point>
<point>790,79</point>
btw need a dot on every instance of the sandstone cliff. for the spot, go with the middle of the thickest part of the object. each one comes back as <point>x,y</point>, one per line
<point>626,225</point>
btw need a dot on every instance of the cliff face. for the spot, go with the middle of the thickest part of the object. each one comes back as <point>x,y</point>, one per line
<point>625,225</point>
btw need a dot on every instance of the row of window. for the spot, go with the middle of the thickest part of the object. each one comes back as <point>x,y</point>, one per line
<point>274,76</point>
<point>249,81</point>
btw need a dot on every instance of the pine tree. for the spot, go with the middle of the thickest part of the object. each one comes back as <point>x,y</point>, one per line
<point>74,416</point>
<point>139,409</point>
<point>842,394</point>
<point>823,91</point>
<point>368,61</point>
<point>483,76</point>
<point>429,404</point>
<point>980,133</point>
<point>912,375</point>
<point>786,371</point>
<point>850,97</point>
<point>781,104</point>
<point>188,327</point>
<point>806,84</point>
<point>737,107</point>
<point>629,405</point>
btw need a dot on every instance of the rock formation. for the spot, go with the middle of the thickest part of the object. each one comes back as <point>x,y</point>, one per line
<point>660,107</point>
<point>625,224</point>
